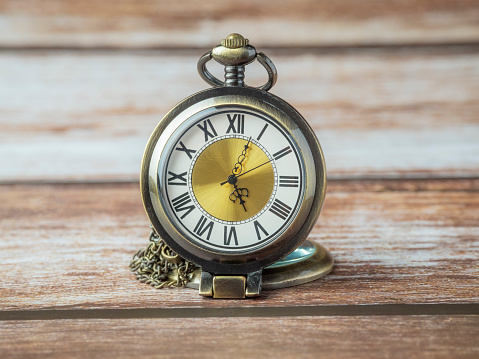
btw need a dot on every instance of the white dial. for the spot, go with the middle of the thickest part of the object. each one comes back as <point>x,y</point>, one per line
<point>232,179</point>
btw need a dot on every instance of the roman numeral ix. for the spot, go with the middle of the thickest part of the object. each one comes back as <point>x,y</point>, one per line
<point>230,235</point>
<point>177,180</point>
<point>236,123</point>
<point>207,124</point>
<point>280,209</point>
<point>288,181</point>
<point>202,227</point>
<point>180,204</point>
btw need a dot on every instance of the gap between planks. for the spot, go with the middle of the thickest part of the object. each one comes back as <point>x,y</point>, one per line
<point>468,183</point>
<point>299,311</point>
<point>440,48</point>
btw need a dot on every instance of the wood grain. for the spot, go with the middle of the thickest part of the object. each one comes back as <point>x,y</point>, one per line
<point>415,241</point>
<point>133,24</point>
<point>387,114</point>
<point>297,337</point>
<point>390,89</point>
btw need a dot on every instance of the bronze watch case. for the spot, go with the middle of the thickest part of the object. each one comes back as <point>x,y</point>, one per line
<point>314,191</point>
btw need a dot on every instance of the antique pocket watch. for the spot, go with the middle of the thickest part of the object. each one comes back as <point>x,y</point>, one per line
<point>233,180</point>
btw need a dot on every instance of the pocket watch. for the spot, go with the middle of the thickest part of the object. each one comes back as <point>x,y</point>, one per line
<point>233,178</point>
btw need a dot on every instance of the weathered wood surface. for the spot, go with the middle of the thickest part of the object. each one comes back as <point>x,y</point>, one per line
<point>282,337</point>
<point>411,241</point>
<point>391,89</point>
<point>385,114</point>
<point>133,24</point>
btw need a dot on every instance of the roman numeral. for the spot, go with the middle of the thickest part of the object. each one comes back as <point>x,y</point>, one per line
<point>262,131</point>
<point>177,180</point>
<point>282,153</point>
<point>180,204</point>
<point>185,150</point>
<point>239,126</point>
<point>230,235</point>
<point>204,128</point>
<point>288,181</point>
<point>202,227</point>
<point>280,209</point>
<point>258,227</point>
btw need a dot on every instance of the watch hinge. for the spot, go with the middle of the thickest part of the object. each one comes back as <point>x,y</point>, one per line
<point>230,286</point>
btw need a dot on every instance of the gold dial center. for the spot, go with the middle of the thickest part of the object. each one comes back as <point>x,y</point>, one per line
<point>216,164</point>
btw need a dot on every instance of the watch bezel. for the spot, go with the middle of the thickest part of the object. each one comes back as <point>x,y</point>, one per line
<point>315,179</point>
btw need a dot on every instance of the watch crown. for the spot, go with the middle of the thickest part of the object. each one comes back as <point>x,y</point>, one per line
<point>234,41</point>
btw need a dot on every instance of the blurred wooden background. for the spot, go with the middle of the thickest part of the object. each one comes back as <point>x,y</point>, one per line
<point>391,89</point>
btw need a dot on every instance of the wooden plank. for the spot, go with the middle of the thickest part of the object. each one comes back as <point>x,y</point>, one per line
<point>283,337</point>
<point>133,24</point>
<point>389,114</point>
<point>68,247</point>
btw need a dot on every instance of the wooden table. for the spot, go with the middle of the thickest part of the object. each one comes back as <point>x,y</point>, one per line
<point>392,91</point>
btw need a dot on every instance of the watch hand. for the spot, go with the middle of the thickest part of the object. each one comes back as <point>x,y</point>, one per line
<point>235,177</point>
<point>239,164</point>
<point>253,168</point>
<point>238,167</point>
<point>246,146</point>
<point>238,193</point>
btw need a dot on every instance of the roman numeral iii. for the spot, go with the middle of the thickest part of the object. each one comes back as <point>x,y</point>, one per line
<point>288,181</point>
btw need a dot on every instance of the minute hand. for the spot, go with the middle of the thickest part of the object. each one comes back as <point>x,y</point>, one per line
<point>222,183</point>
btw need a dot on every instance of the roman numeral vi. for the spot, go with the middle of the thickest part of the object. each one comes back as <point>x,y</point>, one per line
<point>230,235</point>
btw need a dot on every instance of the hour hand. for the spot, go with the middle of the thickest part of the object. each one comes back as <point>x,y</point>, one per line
<point>239,193</point>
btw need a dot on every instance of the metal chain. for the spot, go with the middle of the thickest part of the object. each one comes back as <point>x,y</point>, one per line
<point>158,265</point>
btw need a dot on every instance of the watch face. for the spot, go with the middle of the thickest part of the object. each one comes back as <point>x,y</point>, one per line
<point>231,179</point>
